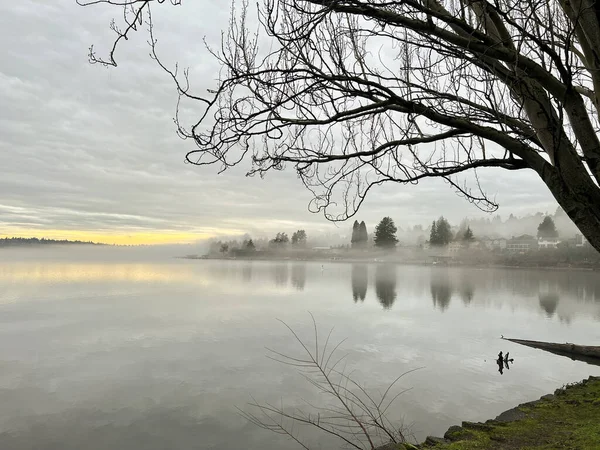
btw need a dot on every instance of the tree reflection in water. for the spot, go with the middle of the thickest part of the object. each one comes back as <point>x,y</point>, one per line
<point>385,284</point>
<point>548,302</point>
<point>360,280</point>
<point>247,272</point>
<point>280,274</point>
<point>467,292</point>
<point>441,289</point>
<point>299,276</point>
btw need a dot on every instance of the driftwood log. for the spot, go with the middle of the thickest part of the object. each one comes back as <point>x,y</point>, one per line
<point>586,353</point>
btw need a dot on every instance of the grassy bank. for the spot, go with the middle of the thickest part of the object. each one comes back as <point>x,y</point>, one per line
<point>568,419</point>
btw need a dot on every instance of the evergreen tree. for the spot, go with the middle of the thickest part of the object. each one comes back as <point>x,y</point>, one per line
<point>547,229</point>
<point>441,232</point>
<point>433,235</point>
<point>250,245</point>
<point>462,229</point>
<point>355,237</point>
<point>444,231</point>
<point>363,236</point>
<point>468,235</point>
<point>385,233</point>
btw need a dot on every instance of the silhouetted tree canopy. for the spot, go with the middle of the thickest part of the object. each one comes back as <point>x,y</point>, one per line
<point>385,233</point>
<point>547,229</point>
<point>299,238</point>
<point>280,240</point>
<point>441,233</point>
<point>352,94</point>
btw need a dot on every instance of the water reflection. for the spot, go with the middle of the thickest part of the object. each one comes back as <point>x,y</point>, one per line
<point>163,365</point>
<point>39,272</point>
<point>560,294</point>
<point>299,276</point>
<point>549,302</point>
<point>280,274</point>
<point>441,290</point>
<point>385,284</point>
<point>467,292</point>
<point>360,280</point>
<point>247,272</point>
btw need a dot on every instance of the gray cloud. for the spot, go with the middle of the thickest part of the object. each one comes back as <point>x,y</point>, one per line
<point>89,148</point>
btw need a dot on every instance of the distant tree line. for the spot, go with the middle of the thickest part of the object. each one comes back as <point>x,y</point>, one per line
<point>385,235</point>
<point>25,242</point>
<point>248,245</point>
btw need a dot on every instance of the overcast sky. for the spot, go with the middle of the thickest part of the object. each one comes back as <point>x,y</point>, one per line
<point>91,153</point>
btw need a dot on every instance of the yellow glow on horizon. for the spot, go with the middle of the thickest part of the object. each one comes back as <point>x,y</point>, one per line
<point>119,238</point>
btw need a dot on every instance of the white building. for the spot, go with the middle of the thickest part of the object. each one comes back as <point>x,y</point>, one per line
<point>548,242</point>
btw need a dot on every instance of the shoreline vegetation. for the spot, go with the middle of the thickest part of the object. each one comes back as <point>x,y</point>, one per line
<point>569,418</point>
<point>537,259</point>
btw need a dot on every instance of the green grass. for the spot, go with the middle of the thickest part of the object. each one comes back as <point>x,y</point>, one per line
<point>569,420</point>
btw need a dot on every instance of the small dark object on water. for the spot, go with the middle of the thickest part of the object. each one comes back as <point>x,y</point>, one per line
<point>503,361</point>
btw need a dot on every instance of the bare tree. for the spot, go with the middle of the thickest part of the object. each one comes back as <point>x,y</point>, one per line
<point>356,93</point>
<point>356,417</point>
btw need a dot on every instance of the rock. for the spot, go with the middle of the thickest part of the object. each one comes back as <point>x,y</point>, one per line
<point>511,415</point>
<point>433,440</point>
<point>547,397</point>
<point>476,426</point>
<point>456,433</point>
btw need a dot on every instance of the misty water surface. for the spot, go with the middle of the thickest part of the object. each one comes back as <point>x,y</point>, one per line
<point>157,353</point>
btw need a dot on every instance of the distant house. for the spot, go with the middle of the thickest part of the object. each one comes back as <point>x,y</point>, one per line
<point>494,244</point>
<point>548,242</point>
<point>523,243</point>
<point>455,247</point>
<point>580,240</point>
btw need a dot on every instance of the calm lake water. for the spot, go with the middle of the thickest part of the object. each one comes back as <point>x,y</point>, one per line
<point>106,352</point>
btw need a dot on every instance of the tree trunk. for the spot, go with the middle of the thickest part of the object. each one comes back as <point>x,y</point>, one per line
<point>579,196</point>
